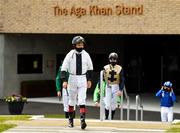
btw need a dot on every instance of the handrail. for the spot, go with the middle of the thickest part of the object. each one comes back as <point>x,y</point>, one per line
<point>102,108</point>
<point>139,103</point>
<point>128,104</point>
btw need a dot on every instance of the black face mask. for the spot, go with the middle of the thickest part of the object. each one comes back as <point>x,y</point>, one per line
<point>79,49</point>
<point>113,63</point>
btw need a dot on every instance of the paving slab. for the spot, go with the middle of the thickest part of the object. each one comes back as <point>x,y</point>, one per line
<point>39,129</point>
<point>60,125</point>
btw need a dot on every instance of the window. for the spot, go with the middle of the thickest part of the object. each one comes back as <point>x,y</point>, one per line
<point>29,63</point>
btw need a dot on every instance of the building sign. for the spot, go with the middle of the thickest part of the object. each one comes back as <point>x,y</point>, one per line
<point>90,16</point>
<point>95,10</point>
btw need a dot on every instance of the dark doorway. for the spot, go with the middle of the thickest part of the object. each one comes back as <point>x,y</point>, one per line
<point>59,60</point>
<point>148,60</point>
<point>171,70</point>
<point>151,60</point>
<point>142,75</point>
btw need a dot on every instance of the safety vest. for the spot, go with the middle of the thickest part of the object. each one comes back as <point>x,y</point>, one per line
<point>112,74</point>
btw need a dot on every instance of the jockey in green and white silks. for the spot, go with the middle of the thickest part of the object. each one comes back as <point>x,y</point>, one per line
<point>65,95</point>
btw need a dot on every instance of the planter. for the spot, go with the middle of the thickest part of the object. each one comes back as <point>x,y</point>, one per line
<point>15,108</point>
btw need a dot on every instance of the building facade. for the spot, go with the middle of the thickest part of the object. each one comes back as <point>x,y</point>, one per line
<point>45,28</point>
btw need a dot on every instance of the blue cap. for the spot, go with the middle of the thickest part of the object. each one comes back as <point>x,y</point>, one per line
<point>168,84</point>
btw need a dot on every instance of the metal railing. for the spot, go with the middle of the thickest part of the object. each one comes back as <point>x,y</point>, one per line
<point>139,103</point>
<point>102,106</point>
<point>128,104</point>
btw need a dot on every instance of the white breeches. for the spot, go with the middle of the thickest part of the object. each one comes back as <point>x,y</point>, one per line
<point>111,97</point>
<point>65,98</point>
<point>77,88</point>
<point>166,114</point>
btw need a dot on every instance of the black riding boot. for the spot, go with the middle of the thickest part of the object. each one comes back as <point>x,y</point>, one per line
<point>83,123</point>
<point>74,114</point>
<point>106,114</point>
<point>66,114</point>
<point>71,121</point>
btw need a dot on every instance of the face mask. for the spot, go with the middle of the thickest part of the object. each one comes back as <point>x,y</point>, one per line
<point>79,49</point>
<point>113,63</point>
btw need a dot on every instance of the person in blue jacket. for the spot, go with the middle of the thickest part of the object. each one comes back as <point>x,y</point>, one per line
<point>167,99</point>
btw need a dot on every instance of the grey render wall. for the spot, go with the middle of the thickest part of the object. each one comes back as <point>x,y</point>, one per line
<point>1,64</point>
<point>21,44</point>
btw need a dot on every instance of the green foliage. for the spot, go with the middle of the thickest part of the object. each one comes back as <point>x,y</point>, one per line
<point>4,118</point>
<point>56,116</point>
<point>4,127</point>
<point>53,116</point>
<point>14,117</point>
<point>15,98</point>
<point>173,130</point>
<point>178,123</point>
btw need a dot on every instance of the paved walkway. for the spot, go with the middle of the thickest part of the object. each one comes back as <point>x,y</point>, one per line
<point>149,101</point>
<point>47,125</point>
